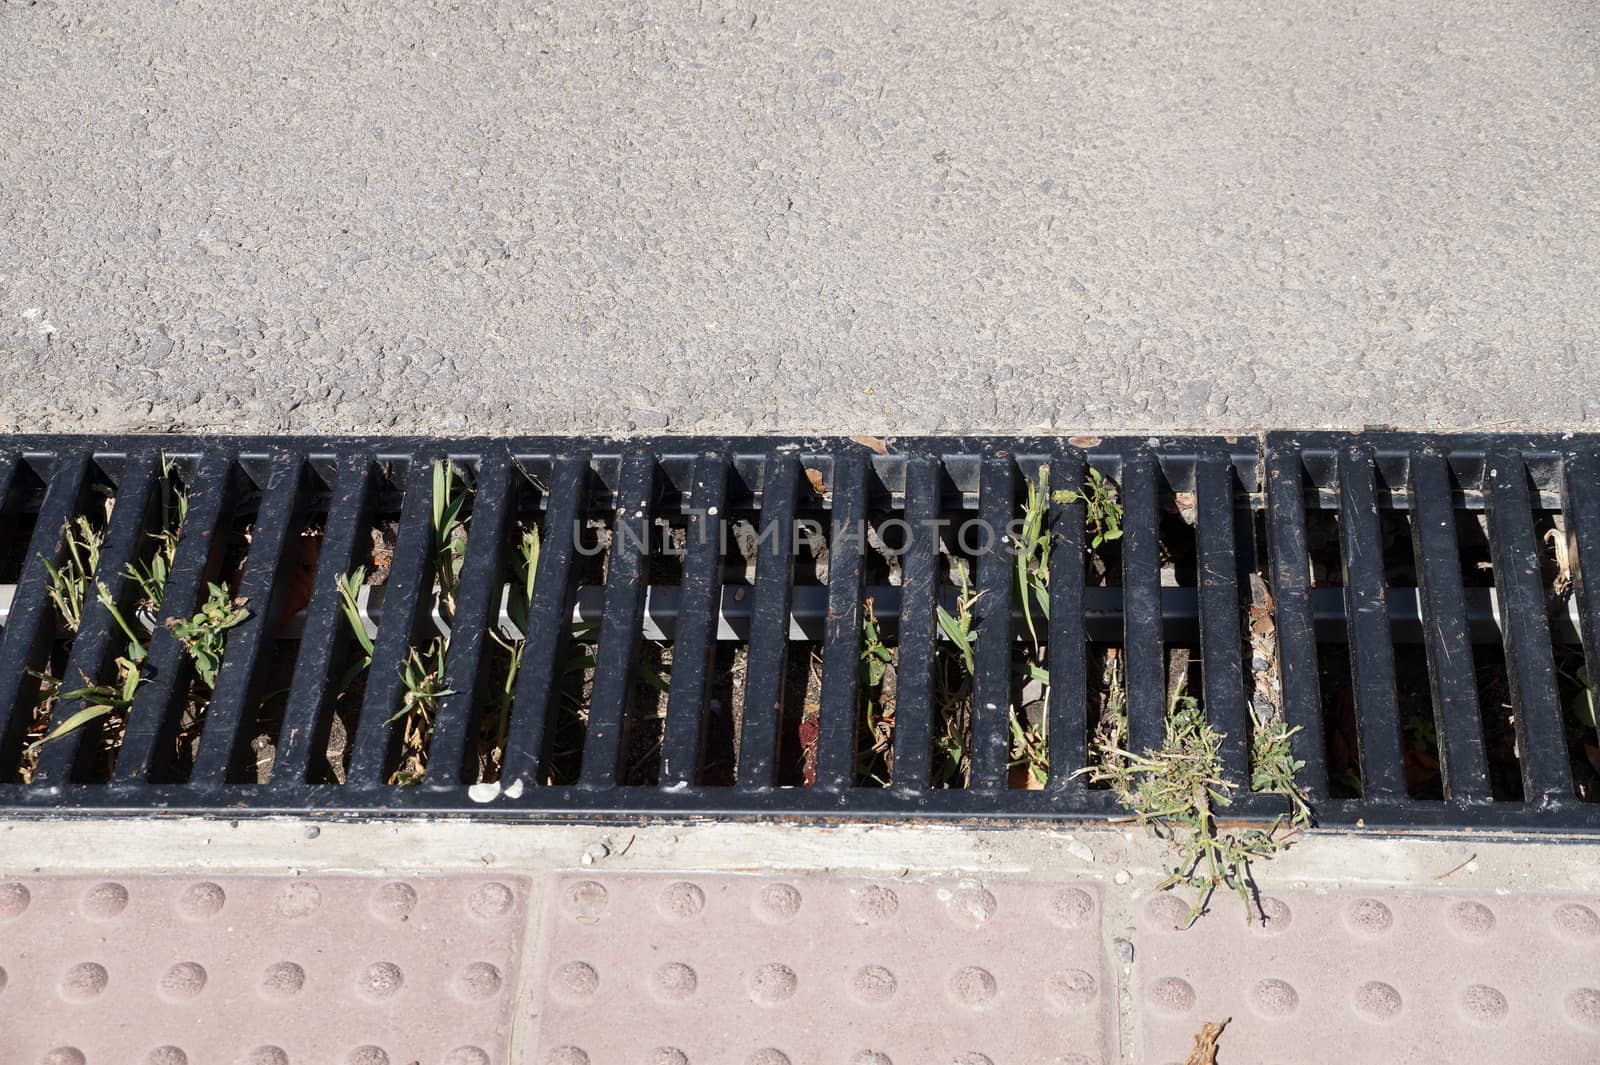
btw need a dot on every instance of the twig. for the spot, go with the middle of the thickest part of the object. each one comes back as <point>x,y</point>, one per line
<point>1457,869</point>
<point>1205,1044</point>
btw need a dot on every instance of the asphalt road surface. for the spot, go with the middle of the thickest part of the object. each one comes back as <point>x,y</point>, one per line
<point>804,217</point>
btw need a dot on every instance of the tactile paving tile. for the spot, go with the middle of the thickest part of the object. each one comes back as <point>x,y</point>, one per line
<point>644,969</point>
<point>314,970</point>
<point>1380,977</point>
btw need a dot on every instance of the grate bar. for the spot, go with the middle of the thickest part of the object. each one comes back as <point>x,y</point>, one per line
<point>697,628</point>
<point>452,753</point>
<point>1452,675</point>
<point>769,626</point>
<point>29,626</point>
<point>224,742</point>
<point>1530,664</point>
<point>99,637</point>
<point>325,643</point>
<point>380,720</point>
<point>991,684</point>
<point>1067,701</point>
<point>1221,653</point>
<point>543,658</point>
<point>1371,646</point>
<point>1295,621</point>
<point>914,704</point>
<point>841,646</point>
<point>618,650</point>
<point>1145,666</point>
<point>1580,505</point>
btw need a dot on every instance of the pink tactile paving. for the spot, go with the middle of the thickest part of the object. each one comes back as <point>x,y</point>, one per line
<point>761,970</point>
<point>1346,979</point>
<point>315,970</point>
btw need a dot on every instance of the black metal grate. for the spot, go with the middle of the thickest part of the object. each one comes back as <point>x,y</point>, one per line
<point>1416,605</point>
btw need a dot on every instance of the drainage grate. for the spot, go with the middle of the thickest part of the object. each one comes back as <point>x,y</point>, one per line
<point>285,625</point>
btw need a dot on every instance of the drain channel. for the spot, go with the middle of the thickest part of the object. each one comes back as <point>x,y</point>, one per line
<point>667,627</point>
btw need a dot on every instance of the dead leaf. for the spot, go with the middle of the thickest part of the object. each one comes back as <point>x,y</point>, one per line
<point>815,477</point>
<point>1205,1044</point>
<point>1084,441</point>
<point>875,443</point>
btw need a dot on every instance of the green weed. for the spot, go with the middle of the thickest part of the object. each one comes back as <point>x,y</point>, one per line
<point>1102,509</point>
<point>205,635</point>
<point>953,761</point>
<point>1177,790</point>
<point>876,662</point>
<point>69,584</point>
<point>449,533</point>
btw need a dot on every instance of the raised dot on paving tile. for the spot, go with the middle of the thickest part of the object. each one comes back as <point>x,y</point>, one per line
<point>299,898</point>
<point>674,982</point>
<point>1167,912</point>
<point>681,900</point>
<point>105,901</point>
<point>971,903</point>
<point>972,1057</point>
<point>84,980</point>
<point>265,1055</point>
<point>1376,1000</point>
<point>585,900</point>
<point>478,981</point>
<point>368,1055</point>
<point>1471,919</point>
<point>167,1055</point>
<point>1171,994</point>
<point>772,983</point>
<point>576,980</point>
<point>492,900</point>
<point>1573,920</point>
<point>381,979</point>
<point>1073,988</point>
<point>777,903</point>
<point>467,1055</point>
<point>768,1056</point>
<point>394,901</point>
<point>1483,1004</point>
<point>667,1056</point>
<point>870,1057</point>
<point>282,979</point>
<point>1274,998</point>
<point>1275,915</point>
<point>1368,917</point>
<point>1071,907</point>
<point>566,1055</point>
<point>873,903</point>
<point>201,900</point>
<point>14,898</point>
<point>1072,1059</point>
<point>63,1056</point>
<point>872,984</point>
<point>184,980</point>
<point>973,986</point>
<point>1583,1007</point>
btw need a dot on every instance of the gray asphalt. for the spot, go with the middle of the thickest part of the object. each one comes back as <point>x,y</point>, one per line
<point>835,216</point>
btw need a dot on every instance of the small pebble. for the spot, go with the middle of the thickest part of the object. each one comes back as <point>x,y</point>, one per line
<point>313,832</point>
<point>1124,950</point>
<point>1123,876</point>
